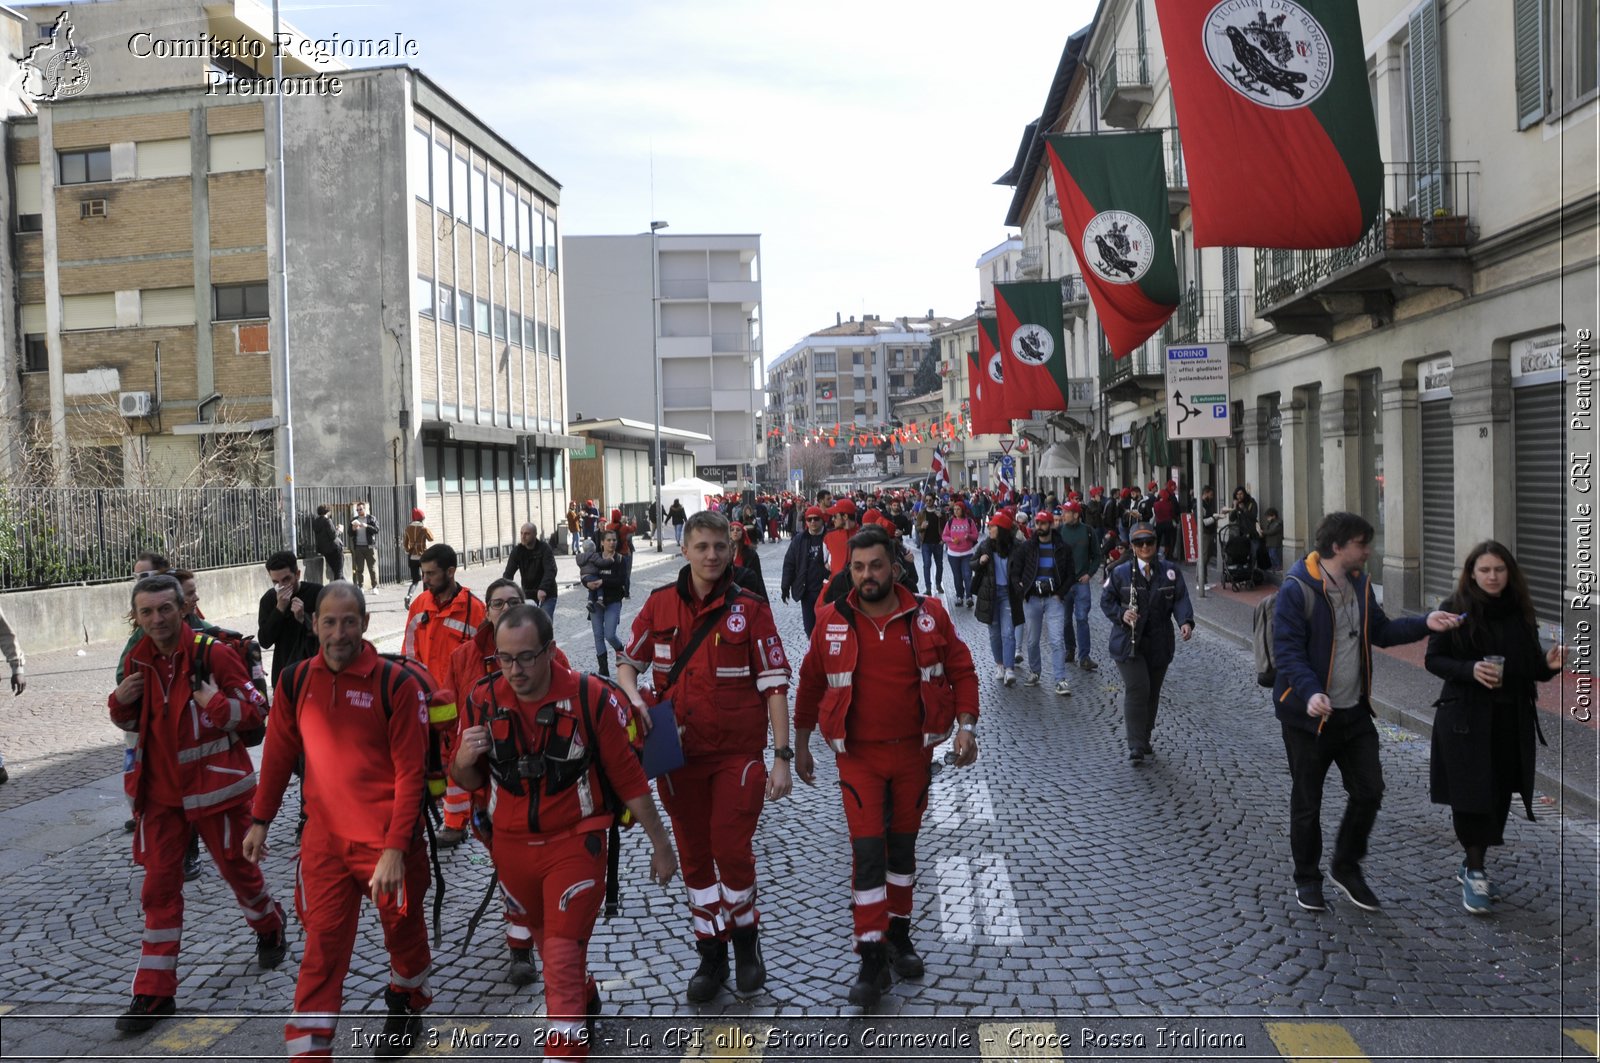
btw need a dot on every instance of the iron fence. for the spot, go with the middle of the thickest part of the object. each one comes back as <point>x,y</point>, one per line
<point>54,535</point>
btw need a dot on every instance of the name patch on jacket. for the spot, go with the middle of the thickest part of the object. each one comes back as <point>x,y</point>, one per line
<point>361,699</point>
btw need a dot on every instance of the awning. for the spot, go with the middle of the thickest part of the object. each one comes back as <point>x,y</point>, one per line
<point>509,437</point>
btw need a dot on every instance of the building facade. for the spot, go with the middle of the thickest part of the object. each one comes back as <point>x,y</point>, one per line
<point>694,303</point>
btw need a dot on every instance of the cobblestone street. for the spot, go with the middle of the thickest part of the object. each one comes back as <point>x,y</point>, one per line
<point>1069,903</point>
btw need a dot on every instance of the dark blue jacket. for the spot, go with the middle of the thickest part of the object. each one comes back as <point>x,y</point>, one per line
<point>1302,649</point>
<point>1162,601</point>
<point>805,572</point>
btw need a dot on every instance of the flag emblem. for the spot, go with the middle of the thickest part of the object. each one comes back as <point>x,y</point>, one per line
<point>997,371</point>
<point>1032,344</point>
<point>1282,62</point>
<point>1119,246</point>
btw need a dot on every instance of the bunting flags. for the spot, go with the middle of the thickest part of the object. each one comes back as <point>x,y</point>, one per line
<point>1279,138</point>
<point>996,403</point>
<point>1113,195</point>
<point>941,473</point>
<point>984,401</point>
<point>1032,346</point>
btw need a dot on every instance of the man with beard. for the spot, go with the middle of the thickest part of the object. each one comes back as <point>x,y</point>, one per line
<point>882,704</point>
<point>805,570</point>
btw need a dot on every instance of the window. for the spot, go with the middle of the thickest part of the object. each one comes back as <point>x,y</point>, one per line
<point>229,152</point>
<point>480,316</point>
<point>424,296</point>
<point>478,183</point>
<point>550,251</point>
<point>35,353</point>
<point>529,328</point>
<point>492,457</point>
<point>83,167</point>
<point>827,411</point>
<point>515,331</point>
<point>421,150</point>
<point>499,322</point>
<point>469,468</point>
<point>555,342</point>
<point>460,202</point>
<point>441,175</point>
<point>450,461</point>
<point>237,302</point>
<point>1555,44</point>
<point>446,309</point>
<point>536,235</point>
<point>430,468</point>
<point>497,199</point>
<point>514,219</point>
<point>544,338</point>
<point>826,363</point>
<point>30,223</point>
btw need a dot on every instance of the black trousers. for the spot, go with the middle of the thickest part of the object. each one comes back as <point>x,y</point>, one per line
<point>1141,692</point>
<point>335,563</point>
<point>1349,739</point>
<point>808,611</point>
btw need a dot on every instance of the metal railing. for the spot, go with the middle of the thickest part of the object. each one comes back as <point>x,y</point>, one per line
<point>52,535</point>
<point>1029,262</point>
<point>1146,360</point>
<point>1423,207</point>
<point>1126,68</point>
<point>1073,289</point>
<point>1052,212</point>
<point>1210,316</point>
<point>1172,156</point>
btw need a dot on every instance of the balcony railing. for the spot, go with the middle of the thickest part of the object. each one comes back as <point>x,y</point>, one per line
<point>1125,87</point>
<point>730,343</point>
<point>1075,295</point>
<point>1030,263</point>
<point>1425,209</point>
<point>683,289</point>
<point>1210,316</point>
<point>1052,213</point>
<point>1126,377</point>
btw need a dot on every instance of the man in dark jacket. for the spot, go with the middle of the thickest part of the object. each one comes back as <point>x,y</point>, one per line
<point>1082,544</point>
<point>1324,661</point>
<point>1143,598</point>
<point>325,534</point>
<point>805,571</point>
<point>535,566</point>
<point>284,622</point>
<point>1041,571</point>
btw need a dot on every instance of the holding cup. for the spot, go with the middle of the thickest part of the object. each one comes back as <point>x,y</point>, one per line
<point>1498,665</point>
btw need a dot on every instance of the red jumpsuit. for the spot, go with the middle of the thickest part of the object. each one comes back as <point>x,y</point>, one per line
<point>550,848</point>
<point>364,775</point>
<point>432,634</point>
<point>720,698</point>
<point>884,692</point>
<point>188,770</point>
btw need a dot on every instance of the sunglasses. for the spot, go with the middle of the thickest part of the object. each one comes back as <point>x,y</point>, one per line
<point>1144,542</point>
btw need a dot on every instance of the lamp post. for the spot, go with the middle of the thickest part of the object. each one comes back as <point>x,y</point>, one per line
<point>655,357</point>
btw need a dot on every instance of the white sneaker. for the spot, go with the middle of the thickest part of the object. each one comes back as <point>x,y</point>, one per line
<point>1064,690</point>
<point>1010,678</point>
<point>1032,679</point>
<point>1000,671</point>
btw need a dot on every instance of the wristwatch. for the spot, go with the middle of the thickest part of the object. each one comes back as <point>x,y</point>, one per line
<point>970,728</point>
<point>783,753</point>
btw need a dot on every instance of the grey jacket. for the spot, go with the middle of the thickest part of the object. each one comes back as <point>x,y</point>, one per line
<point>9,647</point>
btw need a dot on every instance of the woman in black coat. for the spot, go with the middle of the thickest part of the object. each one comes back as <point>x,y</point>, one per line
<point>1487,718</point>
<point>746,562</point>
<point>999,603</point>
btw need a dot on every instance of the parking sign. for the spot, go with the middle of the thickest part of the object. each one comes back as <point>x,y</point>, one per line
<point>1197,392</point>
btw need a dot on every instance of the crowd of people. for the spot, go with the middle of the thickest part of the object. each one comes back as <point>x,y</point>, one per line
<point>483,716</point>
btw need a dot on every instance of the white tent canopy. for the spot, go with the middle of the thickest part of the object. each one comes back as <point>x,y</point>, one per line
<point>691,491</point>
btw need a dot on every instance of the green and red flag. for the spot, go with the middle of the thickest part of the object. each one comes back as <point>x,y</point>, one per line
<point>1113,194</point>
<point>1031,346</point>
<point>986,371</point>
<point>1279,138</point>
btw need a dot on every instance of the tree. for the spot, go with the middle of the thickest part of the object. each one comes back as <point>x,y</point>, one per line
<point>814,460</point>
<point>927,378</point>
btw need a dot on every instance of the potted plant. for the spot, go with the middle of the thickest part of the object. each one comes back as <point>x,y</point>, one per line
<point>1446,230</point>
<point>1402,229</point>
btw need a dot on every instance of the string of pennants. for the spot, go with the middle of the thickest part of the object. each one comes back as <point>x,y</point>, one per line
<point>947,429</point>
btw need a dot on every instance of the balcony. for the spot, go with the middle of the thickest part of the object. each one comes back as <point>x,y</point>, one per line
<point>1074,296</point>
<point>1419,241</point>
<point>1080,396</point>
<point>1142,374</point>
<point>745,293</point>
<point>1177,174</point>
<point>691,288</point>
<point>1125,87</point>
<point>1052,214</point>
<point>1030,263</point>
<point>731,343</point>
<point>1210,316</point>
<point>686,398</point>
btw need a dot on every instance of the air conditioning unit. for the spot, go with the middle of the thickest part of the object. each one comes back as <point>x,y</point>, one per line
<point>134,404</point>
<point>93,208</point>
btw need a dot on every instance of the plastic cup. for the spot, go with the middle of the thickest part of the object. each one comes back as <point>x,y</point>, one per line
<point>1499,664</point>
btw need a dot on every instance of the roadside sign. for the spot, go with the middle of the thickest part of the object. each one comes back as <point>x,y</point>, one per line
<point>1006,442</point>
<point>797,477</point>
<point>1197,392</point>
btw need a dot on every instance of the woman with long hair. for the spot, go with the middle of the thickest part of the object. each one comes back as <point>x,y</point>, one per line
<point>606,574</point>
<point>1486,719</point>
<point>746,558</point>
<point>960,537</point>
<point>998,604</point>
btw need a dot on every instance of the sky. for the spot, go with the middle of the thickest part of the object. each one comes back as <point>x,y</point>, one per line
<point>861,139</point>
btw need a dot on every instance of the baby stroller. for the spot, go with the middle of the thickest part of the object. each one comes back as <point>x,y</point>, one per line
<point>1238,566</point>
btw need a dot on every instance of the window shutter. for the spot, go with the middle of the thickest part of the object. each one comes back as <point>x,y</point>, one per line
<point>1427,109</point>
<point>1144,62</point>
<point>1528,32</point>
<point>1230,293</point>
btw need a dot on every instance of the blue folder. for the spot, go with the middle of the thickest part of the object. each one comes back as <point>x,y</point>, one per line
<point>663,752</point>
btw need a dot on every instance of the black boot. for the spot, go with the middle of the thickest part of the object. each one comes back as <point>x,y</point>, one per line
<point>750,974</point>
<point>873,978</point>
<point>604,668</point>
<point>522,971</point>
<point>902,953</point>
<point>708,978</point>
<point>400,1029</point>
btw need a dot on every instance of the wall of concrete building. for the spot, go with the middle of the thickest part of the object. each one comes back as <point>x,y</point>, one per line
<point>610,327</point>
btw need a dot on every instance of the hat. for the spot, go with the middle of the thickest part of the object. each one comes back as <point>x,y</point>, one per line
<point>1140,529</point>
<point>735,524</point>
<point>844,505</point>
<point>1096,491</point>
<point>814,512</point>
<point>417,514</point>
<point>1172,485</point>
<point>1042,517</point>
<point>1152,486</point>
<point>1072,507</point>
<point>1002,520</point>
<point>871,516</point>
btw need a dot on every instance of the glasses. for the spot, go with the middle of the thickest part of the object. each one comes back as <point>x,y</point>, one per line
<point>1144,542</point>
<point>813,520</point>
<point>524,659</point>
<point>503,603</point>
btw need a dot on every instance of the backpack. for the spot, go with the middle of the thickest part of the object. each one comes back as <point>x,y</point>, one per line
<point>1261,632</point>
<point>249,653</point>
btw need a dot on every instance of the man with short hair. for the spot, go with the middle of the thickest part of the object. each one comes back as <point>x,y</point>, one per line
<point>835,548</point>
<point>325,534</point>
<point>1323,652</point>
<point>534,565</point>
<point>285,618</point>
<point>186,698</point>
<point>1082,546</point>
<point>364,545</point>
<point>1042,570</point>
<point>882,704</point>
<point>550,817</point>
<point>805,570</point>
<point>442,617</point>
<point>360,723</point>
<point>712,649</point>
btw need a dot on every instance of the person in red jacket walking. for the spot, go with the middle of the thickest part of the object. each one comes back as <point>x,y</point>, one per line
<point>886,678</point>
<point>549,743</point>
<point>441,618</point>
<point>711,647</point>
<point>361,724</point>
<point>185,698</point>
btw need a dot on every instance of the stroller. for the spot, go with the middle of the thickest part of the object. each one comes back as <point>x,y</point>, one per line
<point>1238,561</point>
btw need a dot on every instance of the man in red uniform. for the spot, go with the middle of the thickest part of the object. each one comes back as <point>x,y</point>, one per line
<point>886,678</point>
<point>442,617</point>
<point>726,689</point>
<point>551,744</point>
<point>835,544</point>
<point>361,723</point>
<point>184,699</point>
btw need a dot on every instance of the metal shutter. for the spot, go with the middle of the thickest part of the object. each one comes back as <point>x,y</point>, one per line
<point>1538,419</point>
<point>1427,109</point>
<point>1528,32</point>
<point>1439,569</point>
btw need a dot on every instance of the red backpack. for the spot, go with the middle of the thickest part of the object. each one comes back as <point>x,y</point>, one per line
<point>249,652</point>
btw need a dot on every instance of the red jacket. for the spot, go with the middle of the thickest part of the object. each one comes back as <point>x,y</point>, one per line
<point>433,634</point>
<point>473,660</point>
<point>948,688</point>
<point>213,767</point>
<point>364,770</point>
<point>720,698</point>
<point>580,805</point>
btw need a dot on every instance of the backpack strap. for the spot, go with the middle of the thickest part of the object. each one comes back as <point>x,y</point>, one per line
<point>697,638</point>
<point>614,848</point>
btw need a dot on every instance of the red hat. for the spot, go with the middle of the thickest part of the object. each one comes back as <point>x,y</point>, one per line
<point>1072,507</point>
<point>871,516</point>
<point>1152,486</point>
<point>1042,517</point>
<point>1096,491</point>
<point>1172,485</point>
<point>814,511</point>
<point>846,506</point>
<point>735,524</point>
<point>417,514</point>
<point>1002,519</point>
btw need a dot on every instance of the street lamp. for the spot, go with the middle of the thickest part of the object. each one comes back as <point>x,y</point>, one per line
<point>655,357</point>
